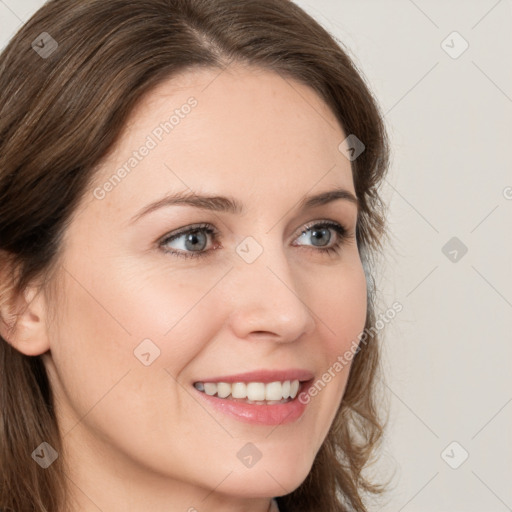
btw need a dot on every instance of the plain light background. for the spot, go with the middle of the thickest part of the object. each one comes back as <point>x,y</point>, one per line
<point>448,353</point>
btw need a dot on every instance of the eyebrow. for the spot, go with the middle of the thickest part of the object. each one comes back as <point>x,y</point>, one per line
<point>232,205</point>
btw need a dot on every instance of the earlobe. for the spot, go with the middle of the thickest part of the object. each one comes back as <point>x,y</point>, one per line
<point>23,322</point>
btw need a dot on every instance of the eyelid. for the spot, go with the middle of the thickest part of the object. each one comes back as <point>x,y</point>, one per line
<point>202,226</point>
<point>322,222</point>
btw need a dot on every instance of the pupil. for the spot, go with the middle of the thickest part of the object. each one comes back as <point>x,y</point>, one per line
<point>193,238</point>
<point>317,234</point>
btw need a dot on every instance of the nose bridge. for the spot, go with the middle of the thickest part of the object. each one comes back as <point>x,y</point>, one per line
<point>265,297</point>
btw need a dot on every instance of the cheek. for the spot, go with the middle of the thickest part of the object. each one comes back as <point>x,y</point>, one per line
<point>90,348</point>
<point>100,384</point>
<point>116,319</point>
<point>118,306</point>
<point>341,306</point>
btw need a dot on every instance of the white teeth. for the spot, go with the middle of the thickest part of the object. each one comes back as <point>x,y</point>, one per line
<point>294,387</point>
<point>274,391</point>
<point>223,390</point>
<point>286,389</point>
<point>239,390</point>
<point>210,388</point>
<point>256,391</point>
<point>252,391</point>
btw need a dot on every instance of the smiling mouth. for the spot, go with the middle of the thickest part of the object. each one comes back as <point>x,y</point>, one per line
<point>254,393</point>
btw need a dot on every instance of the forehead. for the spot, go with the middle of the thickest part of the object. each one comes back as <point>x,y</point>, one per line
<point>215,130</point>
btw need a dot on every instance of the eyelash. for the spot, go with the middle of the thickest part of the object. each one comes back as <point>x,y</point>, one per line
<point>341,231</point>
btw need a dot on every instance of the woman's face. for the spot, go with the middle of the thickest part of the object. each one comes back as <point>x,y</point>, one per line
<point>141,319</point>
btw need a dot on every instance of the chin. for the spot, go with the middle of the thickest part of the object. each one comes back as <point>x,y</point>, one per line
<point>270,480</point>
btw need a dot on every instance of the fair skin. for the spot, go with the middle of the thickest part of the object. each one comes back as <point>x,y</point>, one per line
<point>135,437</point>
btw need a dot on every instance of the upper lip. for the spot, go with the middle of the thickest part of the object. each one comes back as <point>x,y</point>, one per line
<point>264,376</point>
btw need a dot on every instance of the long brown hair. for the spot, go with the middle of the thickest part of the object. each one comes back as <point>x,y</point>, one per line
<point>63,106</point>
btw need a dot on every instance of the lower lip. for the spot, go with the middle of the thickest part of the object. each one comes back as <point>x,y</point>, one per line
<point>277,414</point>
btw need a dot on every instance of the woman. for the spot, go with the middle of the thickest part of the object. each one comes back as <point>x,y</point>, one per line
<point>176,335</point>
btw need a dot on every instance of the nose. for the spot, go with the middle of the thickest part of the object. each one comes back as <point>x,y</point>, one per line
<point>266,301</point>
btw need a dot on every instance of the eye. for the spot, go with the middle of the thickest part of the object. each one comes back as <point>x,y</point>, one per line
<point>192,238</point>
<point>192,241</point>
<point>321,236</point>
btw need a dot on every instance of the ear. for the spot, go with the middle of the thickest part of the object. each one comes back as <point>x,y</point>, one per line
<point>23,322</point>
